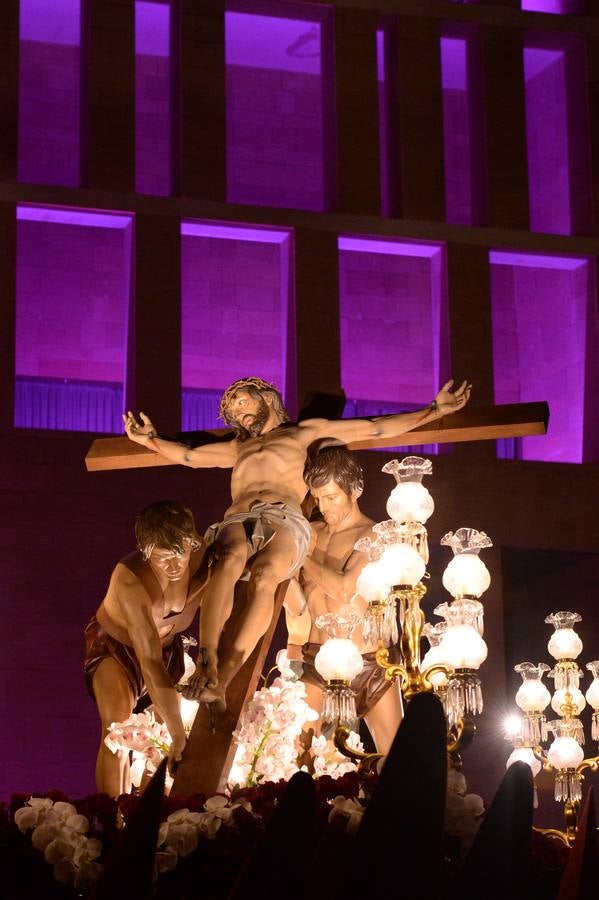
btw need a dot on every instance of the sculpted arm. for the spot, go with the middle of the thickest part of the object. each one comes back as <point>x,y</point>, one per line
<point>136,608</point>
<point>219,455</point>
<point>391,426</point>
<point>338,587</point>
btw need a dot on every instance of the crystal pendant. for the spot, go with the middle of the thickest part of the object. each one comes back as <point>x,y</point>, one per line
<point>567,786</point>
<point>339,703</point>
<point>463,697</point>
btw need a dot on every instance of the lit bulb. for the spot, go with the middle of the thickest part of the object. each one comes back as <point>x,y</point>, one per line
<point>401,564</point>
<point>564,644</point>
<point>513,727</point>
<point>338,660</point>
<point>576,700</point>
<point>525,754</point>
<point>370,584</point>
<point>532,695</point>
<point>565,753</point>
<point>410,501</point>
<point>463,647</point>
<point>466,574</point>
<point>188,711</point>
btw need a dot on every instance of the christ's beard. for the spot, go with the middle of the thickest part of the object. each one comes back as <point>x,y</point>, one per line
<point>256,425</point>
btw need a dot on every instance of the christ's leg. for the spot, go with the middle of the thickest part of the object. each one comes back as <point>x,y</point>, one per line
<point>269,569</point>
<point>232,552</point>
<point>115,701</point>
<point>384,719</point>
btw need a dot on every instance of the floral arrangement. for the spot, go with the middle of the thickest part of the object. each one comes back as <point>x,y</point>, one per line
<point>148,740</point>
<point>269,735</point>
<point>463,811</point>
<point>59,832</point>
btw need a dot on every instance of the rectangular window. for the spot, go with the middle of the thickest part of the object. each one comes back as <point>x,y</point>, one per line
<point>387,73</point>
<point>50,105</point>
<point>558,134</point>
<point>394,324</point>
<point>560,7</point>
<point>545,348</point>
<point>463,124</point>
<point>73,292</point>
<point>236,290</point>
<point>153,97</point>
<point>280,105</point>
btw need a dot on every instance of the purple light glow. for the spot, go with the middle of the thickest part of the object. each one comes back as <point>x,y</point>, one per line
<point>463,129</point>
<point>279,102</point>
<point>424,249</point>
<point>56,22</point>
<point>152,28</point>
<point>454,64</point>
<point>268,42</point>
<point>560,7</point>
<point>68,215</point>
<point>236,290</point>
<point>153,103</point>
<point>233,232</point>
<point>394,325</point>
<point>559,170</point>
<point>73,289</point>
<point>49,92</point>
<point>544,344</point>
<point>387,83</point>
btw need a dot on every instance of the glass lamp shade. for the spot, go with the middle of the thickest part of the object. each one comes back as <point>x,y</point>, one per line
<point>433,657</point>
<point>592,693</point>
<point>565,753</point>
<point>568,696</point>
<point>188,711</point>
<point>338,660</point>
<point>371,583</point>
<point>564,643</point>
<point>401,564</point>
<point>462,647</point>
<point>410,501</point>
<point>525,754</point>
<point>466,575</point>
<point>532,695</point>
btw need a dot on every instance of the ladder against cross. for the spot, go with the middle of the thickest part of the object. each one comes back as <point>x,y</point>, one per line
<point>209,752</point>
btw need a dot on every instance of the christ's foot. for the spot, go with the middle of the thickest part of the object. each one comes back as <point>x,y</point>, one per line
<point>205,675</point>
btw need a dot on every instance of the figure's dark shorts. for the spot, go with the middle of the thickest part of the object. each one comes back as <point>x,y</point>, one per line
<point>369,686</point>
<point>99,645</point>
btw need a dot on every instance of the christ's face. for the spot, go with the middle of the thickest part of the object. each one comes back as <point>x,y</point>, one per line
<point>170,563</point>
<point>334,504</point>
<point>249,412</point>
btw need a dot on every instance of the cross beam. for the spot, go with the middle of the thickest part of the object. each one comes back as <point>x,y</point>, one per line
<point>474,423</point>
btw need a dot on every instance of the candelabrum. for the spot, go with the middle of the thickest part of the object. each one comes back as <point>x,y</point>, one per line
<point>391,583</point>
<point>530,732</point>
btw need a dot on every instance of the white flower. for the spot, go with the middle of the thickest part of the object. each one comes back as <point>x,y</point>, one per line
<point>165,860</point>
<point>57,850</point>
<point>78,823</point>
<point>87,876</point>
<point>346,808</point>
<point>183,838</point>
<point>63,810</point>
<point>64,870</point>
<point>456,783</point>
<point>474,804</point>
<point>26,817</point>
<point>44,834</point>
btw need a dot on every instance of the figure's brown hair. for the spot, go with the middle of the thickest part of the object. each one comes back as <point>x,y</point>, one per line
<point>165,524</point>
<point>256,388</point>
<point>334,464</point>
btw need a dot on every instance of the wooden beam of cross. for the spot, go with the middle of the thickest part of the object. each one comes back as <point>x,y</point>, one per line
<point>474,423</point>
<point>209,752</point>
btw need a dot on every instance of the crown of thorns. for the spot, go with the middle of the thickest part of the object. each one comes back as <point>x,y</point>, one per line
<point>253,382</point>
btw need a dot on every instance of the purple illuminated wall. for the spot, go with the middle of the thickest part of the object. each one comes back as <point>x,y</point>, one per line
<point>386,58</point>
<point>563,7</point>
<point>463,124</point>
<point>280,120</point>
<point>73,289</point>
<point>49,92</point>
<point>557,133</point>
<point>235,301</point>
<point>153,126</point>
<point>545,346</point>
<point>394,330</point>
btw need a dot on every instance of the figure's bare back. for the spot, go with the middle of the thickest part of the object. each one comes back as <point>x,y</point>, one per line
<point>270,467</point>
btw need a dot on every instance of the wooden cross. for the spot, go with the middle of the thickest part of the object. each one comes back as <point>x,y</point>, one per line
<point>209,753</point>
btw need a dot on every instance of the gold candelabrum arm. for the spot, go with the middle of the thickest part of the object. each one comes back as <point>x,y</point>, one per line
<point>366,761</point>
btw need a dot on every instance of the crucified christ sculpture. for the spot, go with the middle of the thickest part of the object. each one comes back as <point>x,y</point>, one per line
<point>264,524</point>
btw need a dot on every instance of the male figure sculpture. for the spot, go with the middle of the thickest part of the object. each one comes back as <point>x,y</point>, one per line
<point>134,651</point>
<point>328,578</point>
<point>264,524</point>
